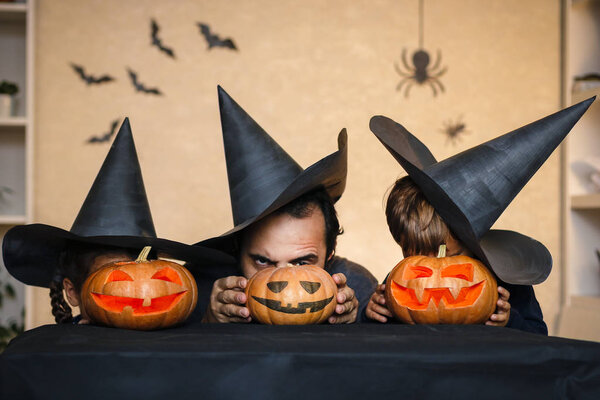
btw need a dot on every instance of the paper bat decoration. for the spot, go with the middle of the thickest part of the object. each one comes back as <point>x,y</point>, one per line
<point>90,79</point>
<point>105,137</point>
<point>156,41</point>
<point>215,40</point>
<point>140,86</point>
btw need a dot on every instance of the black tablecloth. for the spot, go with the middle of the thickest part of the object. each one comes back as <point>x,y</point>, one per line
<point>304,362</point>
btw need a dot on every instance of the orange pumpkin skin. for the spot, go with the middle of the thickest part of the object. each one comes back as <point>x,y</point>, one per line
<point>292,295</point>
<point>445,290</point>
<point>142,295</point>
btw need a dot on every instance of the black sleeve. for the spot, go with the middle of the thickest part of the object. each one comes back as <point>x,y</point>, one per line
<point>358,278</point>
<point>525,312</point>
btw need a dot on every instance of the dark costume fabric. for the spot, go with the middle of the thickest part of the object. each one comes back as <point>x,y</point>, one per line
<point>525,312</point>
<point>251,361</point>
<point>358,278</point>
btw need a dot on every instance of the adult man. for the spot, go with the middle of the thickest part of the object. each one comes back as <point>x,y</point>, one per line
<point>283,215</point>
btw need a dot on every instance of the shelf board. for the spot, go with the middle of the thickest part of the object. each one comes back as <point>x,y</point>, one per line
<point>12,219</point>
<point>586,202</point>
<point>13,12</point>
<point>581,95</point>
<point>13,122</point>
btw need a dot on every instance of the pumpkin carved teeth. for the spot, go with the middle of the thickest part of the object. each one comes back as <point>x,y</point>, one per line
<point>118,303</point>
<point>408,298</point>
<point>275,305</point>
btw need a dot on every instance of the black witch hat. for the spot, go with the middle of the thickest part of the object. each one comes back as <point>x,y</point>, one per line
<point>471,189</point>
<point>114,213</point>
<point>262,176</point>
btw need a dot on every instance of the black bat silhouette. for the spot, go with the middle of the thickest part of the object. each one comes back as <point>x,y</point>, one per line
<point>157,42</point>
<point>140,86</point>
<point>106,136</point>
<point>215,40</point>
<point>90,79</point>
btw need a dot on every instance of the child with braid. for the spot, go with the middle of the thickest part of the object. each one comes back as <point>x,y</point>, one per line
<point>77,262</point>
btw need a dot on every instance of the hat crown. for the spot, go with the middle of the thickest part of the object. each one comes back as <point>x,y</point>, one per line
<point>483,181</point>
<point>116,204</point>
<point>258,169</point>
<point>472,189</point>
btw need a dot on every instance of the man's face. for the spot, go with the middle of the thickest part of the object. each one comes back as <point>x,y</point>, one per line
<point>281,239</point>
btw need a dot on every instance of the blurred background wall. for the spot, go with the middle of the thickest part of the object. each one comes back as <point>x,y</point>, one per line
<point>303,70</point>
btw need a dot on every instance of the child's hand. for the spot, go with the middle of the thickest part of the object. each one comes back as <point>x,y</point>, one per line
<point>347,306</point>
<point>500,317</point>
<point>228,301</point>
<point>376,308</point>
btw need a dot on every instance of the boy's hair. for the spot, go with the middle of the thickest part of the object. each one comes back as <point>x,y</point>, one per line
<point>74,263</point>
<point>412,220</point>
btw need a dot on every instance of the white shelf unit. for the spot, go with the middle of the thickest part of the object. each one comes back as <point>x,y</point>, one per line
<point>581,201</point>
<point>13,12</point>
<point>16,132</point>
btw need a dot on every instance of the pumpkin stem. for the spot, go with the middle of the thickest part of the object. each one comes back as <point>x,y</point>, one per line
<point>442,251</point>
<point>143,257</point>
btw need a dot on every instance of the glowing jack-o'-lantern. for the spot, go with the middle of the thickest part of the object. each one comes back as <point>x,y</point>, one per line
<point>442,290</point>
<point>292,295</point>
<point>141,294</point>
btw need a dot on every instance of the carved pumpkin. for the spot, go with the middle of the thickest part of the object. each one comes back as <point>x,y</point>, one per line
<point>141,294</point>
<point>292,295</point>
<point>442,290</point>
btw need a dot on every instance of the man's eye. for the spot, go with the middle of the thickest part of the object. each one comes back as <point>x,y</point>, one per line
<point>301,262</point>
<point>261,261</point>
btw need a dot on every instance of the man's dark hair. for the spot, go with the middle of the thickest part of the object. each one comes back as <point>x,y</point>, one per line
<point>303,207</point>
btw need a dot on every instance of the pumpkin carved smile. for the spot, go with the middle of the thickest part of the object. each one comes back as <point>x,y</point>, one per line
<point>408,297</point>
<point>118,303</point>
<point>275,305</point>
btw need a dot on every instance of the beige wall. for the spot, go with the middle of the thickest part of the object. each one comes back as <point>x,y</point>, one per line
<point>304,71</point>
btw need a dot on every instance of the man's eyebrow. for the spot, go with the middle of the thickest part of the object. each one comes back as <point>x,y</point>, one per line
<point>257,256</point>
<point>311,258</point>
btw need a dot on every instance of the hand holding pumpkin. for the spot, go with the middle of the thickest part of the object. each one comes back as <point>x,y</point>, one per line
<point>227,301</point>
<point>347,306</point>
<point>376,309</point>
<point>502,313</point>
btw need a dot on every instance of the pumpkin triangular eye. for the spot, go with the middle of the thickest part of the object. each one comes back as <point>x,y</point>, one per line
<point>118,275</point>
<point>167,274</point>
<point>310,287</point>
<point>277,286</point>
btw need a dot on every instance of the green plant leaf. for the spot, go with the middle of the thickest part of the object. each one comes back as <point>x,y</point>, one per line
<point>9,290</point>
<point>4,332</point>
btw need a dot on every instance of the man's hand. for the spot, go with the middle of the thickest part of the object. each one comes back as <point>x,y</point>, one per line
<point>347,307</point>
<point>227,301</point>
<point>500,317</point>
<point>376,308</point>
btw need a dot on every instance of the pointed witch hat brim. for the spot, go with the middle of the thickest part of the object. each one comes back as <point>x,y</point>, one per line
<point>471,189</point>
<point>115,213</point>
<point>262,176</point>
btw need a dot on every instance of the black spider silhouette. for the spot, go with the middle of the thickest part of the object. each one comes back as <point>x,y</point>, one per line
<point>454,130</point>
<point>420,73</point>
